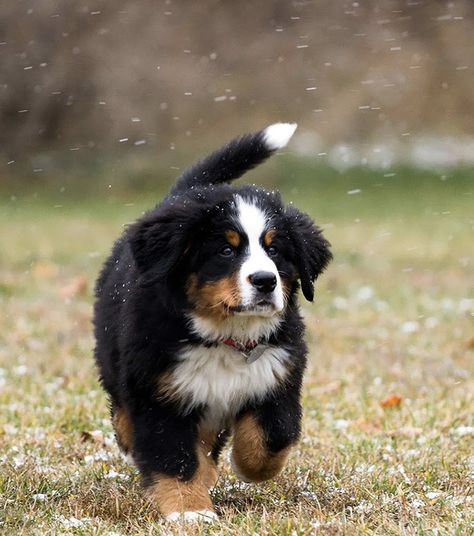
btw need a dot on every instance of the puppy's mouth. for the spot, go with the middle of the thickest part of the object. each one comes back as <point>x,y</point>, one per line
<point>260,308</point>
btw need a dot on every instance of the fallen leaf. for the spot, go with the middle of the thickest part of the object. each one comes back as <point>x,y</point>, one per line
<point>470,344</point>
<point>392,401</point>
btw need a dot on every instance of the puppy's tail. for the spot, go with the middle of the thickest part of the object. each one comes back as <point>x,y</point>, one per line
<point>232,160</point>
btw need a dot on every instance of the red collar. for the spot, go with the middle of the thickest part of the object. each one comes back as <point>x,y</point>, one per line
<point>247,347</point>
<point>252,349</point>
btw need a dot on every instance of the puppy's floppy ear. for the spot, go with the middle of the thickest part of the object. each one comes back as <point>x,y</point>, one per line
<point>160,239</point>
<point>311,249</point>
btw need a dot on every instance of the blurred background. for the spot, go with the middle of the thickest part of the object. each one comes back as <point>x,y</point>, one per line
<point>104,102</point>
<point>127,88</point>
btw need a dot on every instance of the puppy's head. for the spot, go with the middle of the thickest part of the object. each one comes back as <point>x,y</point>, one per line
<point>239,255</point>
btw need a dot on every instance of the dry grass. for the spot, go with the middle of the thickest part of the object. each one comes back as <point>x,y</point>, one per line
<point>393,316</point>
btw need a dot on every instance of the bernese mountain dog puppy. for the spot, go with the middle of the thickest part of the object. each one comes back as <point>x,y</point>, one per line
<point>198,330</point>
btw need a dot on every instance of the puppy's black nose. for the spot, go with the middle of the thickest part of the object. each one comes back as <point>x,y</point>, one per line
<point>263,281</point>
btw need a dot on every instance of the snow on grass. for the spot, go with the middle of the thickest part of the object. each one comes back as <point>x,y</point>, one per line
<point>374,330</point>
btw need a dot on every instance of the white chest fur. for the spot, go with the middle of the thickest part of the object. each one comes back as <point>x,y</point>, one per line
<point>220,378</point>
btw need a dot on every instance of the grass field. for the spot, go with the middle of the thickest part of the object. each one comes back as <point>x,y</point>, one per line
<point>393,316</point>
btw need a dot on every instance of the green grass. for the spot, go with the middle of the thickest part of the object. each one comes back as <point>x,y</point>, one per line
<point>393,314</point>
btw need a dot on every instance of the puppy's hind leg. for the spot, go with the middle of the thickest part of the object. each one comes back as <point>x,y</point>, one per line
<point>210,443</point>
<point>123,428</point>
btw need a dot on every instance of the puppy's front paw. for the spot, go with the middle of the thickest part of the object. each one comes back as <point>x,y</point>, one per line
<point>202,515</point>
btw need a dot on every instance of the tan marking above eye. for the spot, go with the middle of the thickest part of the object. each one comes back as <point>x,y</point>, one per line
<point>268,237</point>
<point>233,237</point>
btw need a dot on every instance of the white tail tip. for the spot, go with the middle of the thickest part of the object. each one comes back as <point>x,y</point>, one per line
<point>278,135</point>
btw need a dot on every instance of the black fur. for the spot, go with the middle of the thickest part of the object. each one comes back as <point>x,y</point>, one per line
<point>226,164</point>
<point>140,322</point>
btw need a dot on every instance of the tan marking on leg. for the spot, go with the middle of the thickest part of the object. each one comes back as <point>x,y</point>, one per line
<point>233,237</point>
<point>172,495</point>
<point>213,299</point>
<point>250,458</point>
<point>123,429</point>
<point>268,237</point>
<point>207,442</point>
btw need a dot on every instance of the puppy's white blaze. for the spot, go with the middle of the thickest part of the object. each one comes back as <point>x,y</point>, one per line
<point>278,135</point>
<point>201,515</point>
<point>221,379</point>
<point>254,222</point>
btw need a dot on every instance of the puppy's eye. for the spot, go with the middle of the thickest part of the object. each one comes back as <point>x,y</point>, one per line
<point>227,251</point>
<point>272,251</point>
